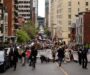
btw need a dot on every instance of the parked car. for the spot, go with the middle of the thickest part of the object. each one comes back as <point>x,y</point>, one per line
<point>4,61</point>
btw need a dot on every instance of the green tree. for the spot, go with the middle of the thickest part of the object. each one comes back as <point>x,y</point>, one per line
<point>30,28</point>
<point>47,32</point>
<point>22,36</point>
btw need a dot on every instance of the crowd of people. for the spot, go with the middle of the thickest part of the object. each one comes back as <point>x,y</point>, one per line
<point>60,50</point>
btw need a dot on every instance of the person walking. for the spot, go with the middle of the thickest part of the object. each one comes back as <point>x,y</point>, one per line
<point>80,56</point>
<point>23,58</point>
<point>11,56</point>
<point>60,55</point>
<point>33,56</point>
<point>84,58</point>
<point>15,57</point>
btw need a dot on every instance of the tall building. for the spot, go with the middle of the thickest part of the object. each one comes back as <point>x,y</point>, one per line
<point>3,22</point>
<point>64,12</point>
<point>24,9</point>
<point>46,12</point>
<point>28,9</point>
<point>83,29</point>
<point>16,26</point>
<point>9,4</point>
<point>35,12</point>
<point>52,17</point>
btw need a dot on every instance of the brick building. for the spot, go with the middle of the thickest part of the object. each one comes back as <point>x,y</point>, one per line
<point>83,28</point>
<point>9,4</point>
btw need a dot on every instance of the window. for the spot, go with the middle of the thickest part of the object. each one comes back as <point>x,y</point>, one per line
<point>69,22</point>
<point>69,3</point>
<point>69,9</point>
<point>78,3</point>
<point>69,16</point>
<point>86,9</point>
<point>86,3</point>
<point>78,9</point>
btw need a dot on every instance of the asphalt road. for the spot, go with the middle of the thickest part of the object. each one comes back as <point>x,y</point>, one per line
<point>71,68</point>
<point>41,69</point>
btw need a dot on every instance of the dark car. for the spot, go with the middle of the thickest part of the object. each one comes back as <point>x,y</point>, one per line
<point>4,61</point>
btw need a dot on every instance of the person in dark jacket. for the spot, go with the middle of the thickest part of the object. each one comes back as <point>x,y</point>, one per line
<point>33,55</point>
<point>15,58</point>
<point>60,55</point>
<point>11,56</point>
<point>80,56</point>
<point>84,58</point>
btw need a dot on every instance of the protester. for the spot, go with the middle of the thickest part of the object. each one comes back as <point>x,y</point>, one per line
<point>15,57</point>
<point>80,56</point>
<point>33,56</point>
<point>84,58</point>
<point>60,55</point>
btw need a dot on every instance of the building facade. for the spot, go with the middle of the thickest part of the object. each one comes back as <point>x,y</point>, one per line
<point>3,22</point>
<point>41,21</point>
<point>9,4</point>
<point>46,12</point>
<point>65,11</point>
<point>83,28</point>
<point>24,8</point>
<point>28,9</point>
<point>35,12</point>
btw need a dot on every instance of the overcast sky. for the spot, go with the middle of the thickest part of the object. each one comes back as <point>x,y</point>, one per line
<point>41,8</point>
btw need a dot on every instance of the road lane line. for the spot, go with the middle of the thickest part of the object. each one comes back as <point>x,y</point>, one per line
<point>65,73</point>
<point>62,69</point>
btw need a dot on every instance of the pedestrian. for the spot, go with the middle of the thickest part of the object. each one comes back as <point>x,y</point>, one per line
<point>53,55</point>
<point>80,56</point>
<point>11,56</point>
<point>84,58</point>
<point>33,56</point>
<point>23,58</point>
<point>28,53</point>
<point>60,55</point>
<point>71,55</point>
<point>67,56</point>
<point>15,57</point>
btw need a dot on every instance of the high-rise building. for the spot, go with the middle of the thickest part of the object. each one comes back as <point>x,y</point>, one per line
<point>3,22</point>
<point>64,15</point>
<point>35,12</point>
<point>25,9</point>
<point>9,4</point>
<point>28,9</point>
<point>46,12</point>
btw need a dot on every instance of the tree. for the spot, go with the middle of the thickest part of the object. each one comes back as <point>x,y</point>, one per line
<point>22,36</point>
<point>47,32</point>
<point>30,28</point>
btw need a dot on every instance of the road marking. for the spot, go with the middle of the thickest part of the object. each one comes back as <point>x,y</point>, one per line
<point>65,73</point>
<point>62,69</point>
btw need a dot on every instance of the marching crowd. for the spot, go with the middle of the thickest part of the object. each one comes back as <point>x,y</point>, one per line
<point>61,51</point>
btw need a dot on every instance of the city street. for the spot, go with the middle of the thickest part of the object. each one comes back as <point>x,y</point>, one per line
<point>49,69</point>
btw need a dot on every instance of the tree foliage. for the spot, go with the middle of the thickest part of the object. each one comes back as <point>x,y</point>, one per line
<point>30,28</point>
<point>47,32</point>
<point>22,36</point>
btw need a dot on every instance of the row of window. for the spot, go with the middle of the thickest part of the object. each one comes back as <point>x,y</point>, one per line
<point>25,14</point>
<point>69,9</point>
<point>69,3</point>
<point>24,10</point>
<point>22,6</point>
<point>23,1</point>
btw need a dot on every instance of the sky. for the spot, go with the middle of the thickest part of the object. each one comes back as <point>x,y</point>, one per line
<point>41,8</point>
